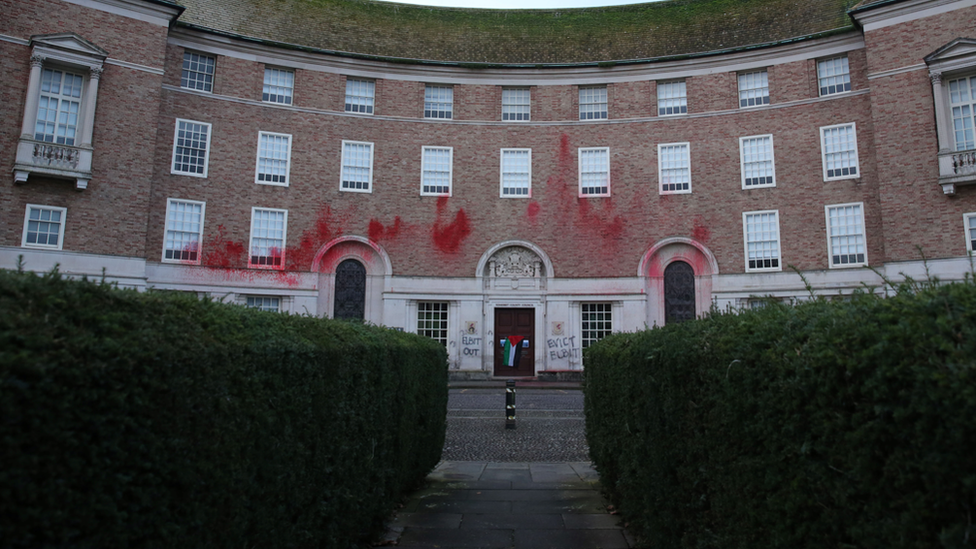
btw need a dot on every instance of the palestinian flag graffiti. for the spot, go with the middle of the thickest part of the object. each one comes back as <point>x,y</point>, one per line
<point>513,351</point>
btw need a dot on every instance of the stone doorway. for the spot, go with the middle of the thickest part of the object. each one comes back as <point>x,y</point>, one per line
<point>350,291</point>
<point>679,292</point>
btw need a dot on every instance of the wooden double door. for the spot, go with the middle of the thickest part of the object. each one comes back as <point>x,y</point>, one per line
<point>519,322</point>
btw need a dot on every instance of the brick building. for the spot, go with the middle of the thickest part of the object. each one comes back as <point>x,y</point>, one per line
<point>474,174</point>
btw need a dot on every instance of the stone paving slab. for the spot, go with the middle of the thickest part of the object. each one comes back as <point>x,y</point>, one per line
<point>488,505</point>
<point>511,521</point>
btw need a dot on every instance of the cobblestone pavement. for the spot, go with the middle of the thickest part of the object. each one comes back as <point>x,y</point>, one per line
<point>550,426</point>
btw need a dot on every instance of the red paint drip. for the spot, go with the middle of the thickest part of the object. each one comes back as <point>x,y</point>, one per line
<point>441,204</point>
<point>533,210</point>
<point>700,232</point>
<point>448,238</point>
<point>565,151</point>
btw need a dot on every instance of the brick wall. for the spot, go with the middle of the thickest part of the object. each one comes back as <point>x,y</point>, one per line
<point>917,217</point>
<point>584,237</point>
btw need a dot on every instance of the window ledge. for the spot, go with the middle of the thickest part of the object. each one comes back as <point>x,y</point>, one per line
<point>956,168</point>
<point>54,160</point>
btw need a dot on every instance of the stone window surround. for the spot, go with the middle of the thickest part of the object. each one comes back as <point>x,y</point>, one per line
<point>72,52</point>
<point>954,60</point>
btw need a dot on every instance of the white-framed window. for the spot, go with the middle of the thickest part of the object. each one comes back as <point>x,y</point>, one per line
<point>761,235</point>
<point>432,320</point>
<point>268,229</point>
<point>357,167</point>
<point>279,86</point>
<point>191,146</point>
<point>969,226</point>
<point>839,151</point>
<point>274,158</point>
<point>58,107</point>
<point>674,167</point>
<point>756,159</point>
<point>516,173</point>
<point>360,95</point>
<point>962,104</point>
<point>594,171</point>
<point>516,104</point>
<point>43,227</point>
<point>184,231</point>
<point>438,101</point>
<point>593,103</point>
<point>198,71</point>
<point>845,235</point>
<point>437,165</point>
<point>263,302</point>
<point>597,322</point>
<point>753,89</point>
<point>672,98</point>
<point>834,75</point>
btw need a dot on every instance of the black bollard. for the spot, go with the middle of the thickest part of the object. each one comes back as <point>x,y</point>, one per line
<point>510,404</point>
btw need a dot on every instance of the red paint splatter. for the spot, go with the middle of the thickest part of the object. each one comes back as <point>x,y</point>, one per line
<point>448,237</point>
<point>327,227</point>
<point>441,204</point>
<point>377,231</point>
<point>614,229</point>
<point>286,278</point>
<point>221,252</point>
<point>700,232</point>
<point>533,210</point>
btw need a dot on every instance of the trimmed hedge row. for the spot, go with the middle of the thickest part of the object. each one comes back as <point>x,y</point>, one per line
<point>835,425</point>
<point>158,420</point>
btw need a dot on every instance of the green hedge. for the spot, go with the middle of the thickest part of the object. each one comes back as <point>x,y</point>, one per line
<point>825,425</point>
<point>159,420</point>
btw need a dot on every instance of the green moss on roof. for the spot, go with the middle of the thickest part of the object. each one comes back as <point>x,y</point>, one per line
<point>531,37</point>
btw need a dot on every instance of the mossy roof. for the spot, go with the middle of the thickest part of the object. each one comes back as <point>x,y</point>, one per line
<point>648,31</point>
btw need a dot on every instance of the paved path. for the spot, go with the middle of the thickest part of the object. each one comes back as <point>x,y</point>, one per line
<point>470,504</point>
<point>487,503</point>
<point>550,426</point>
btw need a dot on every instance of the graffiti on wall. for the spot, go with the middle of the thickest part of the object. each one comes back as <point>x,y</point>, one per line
<point>562,347</point>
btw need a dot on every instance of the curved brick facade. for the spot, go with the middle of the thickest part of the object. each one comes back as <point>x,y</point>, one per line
<point>451,263</point>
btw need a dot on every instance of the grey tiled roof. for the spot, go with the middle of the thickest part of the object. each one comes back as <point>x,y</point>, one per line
<point>531,37</point>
